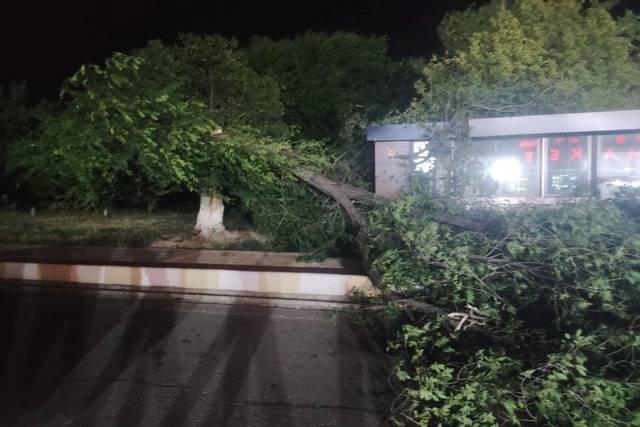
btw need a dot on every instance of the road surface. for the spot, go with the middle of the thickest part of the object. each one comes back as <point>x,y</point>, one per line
<point>92,358</point>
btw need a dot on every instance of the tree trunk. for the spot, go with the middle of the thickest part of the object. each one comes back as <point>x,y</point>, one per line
<point>210,214</point>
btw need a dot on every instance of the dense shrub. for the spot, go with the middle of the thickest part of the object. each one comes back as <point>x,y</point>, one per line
<point>558,288</point>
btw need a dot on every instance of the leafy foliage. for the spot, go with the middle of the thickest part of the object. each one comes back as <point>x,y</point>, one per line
<point>531,56</point>
<point>131,132</point>
<point>333,85</point>
<point>214,73</point>
<point>298,219</point>
<point>560,289</point>
<point>557,286</point>
<point>117,124</point>
<point>191,116</point>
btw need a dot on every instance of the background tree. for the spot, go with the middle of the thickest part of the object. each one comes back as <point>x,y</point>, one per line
<point>214,73</point>
<point>531,56</point>
<point>132,131</point>
<point>333,85</point>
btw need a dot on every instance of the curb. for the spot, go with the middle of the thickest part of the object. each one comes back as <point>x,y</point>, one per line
<point>167,293</point>
<point>311,285</point>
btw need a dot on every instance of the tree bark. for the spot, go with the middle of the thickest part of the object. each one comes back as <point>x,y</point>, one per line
<point>336,192</point>
<point>210,214</point>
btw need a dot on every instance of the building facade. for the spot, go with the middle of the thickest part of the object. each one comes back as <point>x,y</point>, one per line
<point>532,158</point>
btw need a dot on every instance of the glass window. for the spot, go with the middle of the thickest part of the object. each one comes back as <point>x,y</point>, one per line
<point>512,166</point>
<point>567,164</point>
<point>619,159</point>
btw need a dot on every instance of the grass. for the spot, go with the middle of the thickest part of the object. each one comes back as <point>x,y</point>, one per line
<point>124,228</point>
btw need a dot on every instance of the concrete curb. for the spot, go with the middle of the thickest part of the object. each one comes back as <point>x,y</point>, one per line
<point>273,283</point>
<point>168,293</point>
<point>226,275</point>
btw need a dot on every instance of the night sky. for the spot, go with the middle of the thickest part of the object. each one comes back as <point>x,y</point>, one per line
<point>44,41</point>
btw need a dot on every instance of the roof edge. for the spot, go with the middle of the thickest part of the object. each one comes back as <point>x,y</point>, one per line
<point>497,127</point>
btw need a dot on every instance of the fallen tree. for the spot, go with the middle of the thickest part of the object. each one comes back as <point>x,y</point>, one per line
<point>347,197</point>
<point>527,316</point>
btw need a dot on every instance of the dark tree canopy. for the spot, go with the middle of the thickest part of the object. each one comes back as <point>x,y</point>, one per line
<point>215,73</point>
<point>332,84</point>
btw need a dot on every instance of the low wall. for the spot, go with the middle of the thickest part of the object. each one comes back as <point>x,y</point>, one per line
<point>190,278</point>
<point>275,274</point>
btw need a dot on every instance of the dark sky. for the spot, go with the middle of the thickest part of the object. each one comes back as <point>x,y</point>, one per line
<point>44,41</point>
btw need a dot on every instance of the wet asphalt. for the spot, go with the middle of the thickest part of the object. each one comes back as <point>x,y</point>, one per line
<point>91,358</point>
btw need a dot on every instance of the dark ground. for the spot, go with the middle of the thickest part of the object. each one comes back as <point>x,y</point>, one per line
<point>92,359</point>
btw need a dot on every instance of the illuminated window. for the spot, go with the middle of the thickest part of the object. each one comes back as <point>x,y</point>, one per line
<point>567,164</point>
<point>619,159</point>
<point>422,161</point>
<point>512,166</point>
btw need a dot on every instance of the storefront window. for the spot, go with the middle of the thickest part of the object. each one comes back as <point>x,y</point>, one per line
<point>619,159</point>
<point>567,164</point>
<point>512,166</point>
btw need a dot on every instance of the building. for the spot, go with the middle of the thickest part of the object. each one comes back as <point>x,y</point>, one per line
<point>534,158</point>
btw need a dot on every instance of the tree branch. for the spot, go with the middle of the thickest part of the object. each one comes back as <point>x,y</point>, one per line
<point>336,192</point>
<point>343,194</point>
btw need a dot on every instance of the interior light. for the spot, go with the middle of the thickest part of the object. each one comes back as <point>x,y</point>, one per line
<point>505,169</point>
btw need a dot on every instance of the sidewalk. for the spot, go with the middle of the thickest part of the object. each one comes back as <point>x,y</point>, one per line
<point>242,273</point>
<point>89,358</point>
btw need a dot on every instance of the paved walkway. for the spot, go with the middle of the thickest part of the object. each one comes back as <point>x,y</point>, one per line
<point>83,358</point>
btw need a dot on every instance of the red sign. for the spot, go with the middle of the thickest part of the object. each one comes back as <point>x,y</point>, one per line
<point>610,154</point>
<point>528,143</point>
<point>575,153</point>
<point>633,154</point>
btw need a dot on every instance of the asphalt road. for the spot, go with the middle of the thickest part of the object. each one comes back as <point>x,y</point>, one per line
<point>95,359</point>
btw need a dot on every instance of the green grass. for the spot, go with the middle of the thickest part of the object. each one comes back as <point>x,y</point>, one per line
<point>125,228</point>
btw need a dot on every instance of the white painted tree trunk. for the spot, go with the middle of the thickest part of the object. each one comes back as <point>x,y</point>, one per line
<point>210,214</point>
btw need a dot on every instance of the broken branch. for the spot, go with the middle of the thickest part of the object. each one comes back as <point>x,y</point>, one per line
<point>343,195</point>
